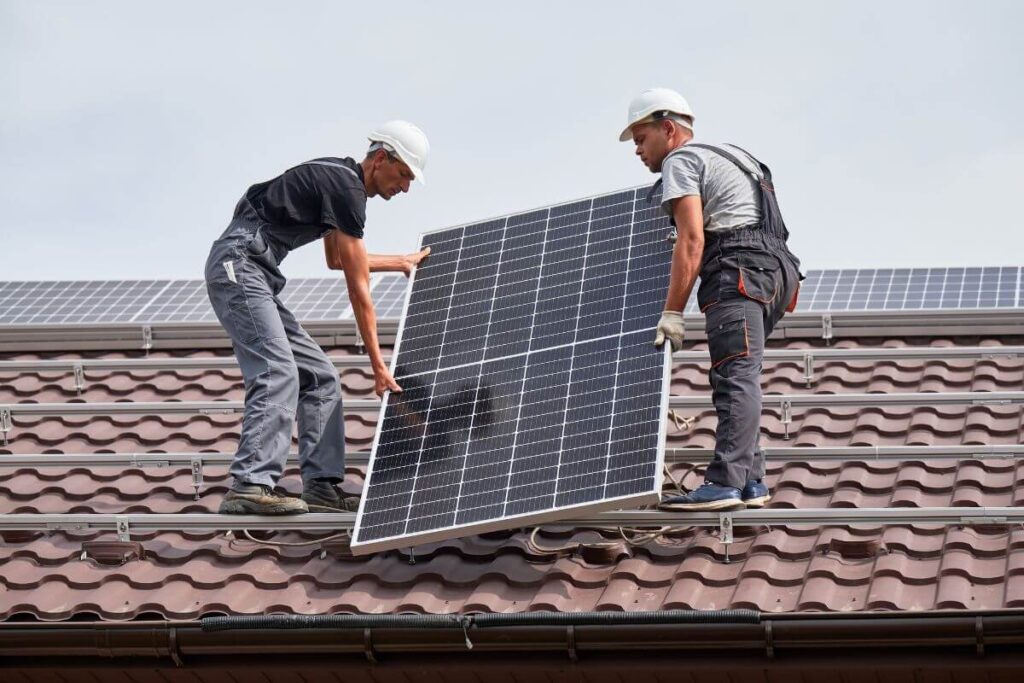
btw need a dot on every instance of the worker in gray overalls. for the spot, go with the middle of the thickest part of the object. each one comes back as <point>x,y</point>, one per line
<point>287,375</point>
<point>729,231</point>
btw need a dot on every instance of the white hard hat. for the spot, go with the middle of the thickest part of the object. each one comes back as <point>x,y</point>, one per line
<point>408,142</point>
<point>647,104</point>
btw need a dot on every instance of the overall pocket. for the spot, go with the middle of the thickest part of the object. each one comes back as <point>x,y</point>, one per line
<point>759,276</point>
<point>727,334</point>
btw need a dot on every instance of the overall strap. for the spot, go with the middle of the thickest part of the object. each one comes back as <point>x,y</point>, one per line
<point>731,157</point>
<point>331,163</point>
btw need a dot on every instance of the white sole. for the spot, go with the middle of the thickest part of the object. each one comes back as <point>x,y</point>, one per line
<point>732,504</point>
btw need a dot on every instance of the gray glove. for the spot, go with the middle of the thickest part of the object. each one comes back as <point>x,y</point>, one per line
<point>670,326</point>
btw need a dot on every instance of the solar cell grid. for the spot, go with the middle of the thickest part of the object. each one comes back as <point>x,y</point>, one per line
<point>531,384</point>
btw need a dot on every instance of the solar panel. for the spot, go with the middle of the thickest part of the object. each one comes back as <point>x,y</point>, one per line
<point>69,302</point>
<point>908,289</point>
<point>532,388</point>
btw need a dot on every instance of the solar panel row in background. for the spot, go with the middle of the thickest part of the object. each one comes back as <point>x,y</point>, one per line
<point>908,289</point>
<point>177,301</point>
<point>531,386</point>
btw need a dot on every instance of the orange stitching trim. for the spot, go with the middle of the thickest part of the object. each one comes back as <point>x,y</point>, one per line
<point>746,347</point>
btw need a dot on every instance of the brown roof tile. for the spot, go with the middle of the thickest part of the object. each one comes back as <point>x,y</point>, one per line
<point>782,569</point>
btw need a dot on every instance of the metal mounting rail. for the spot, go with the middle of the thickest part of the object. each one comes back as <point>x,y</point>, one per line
<point>689,401</point>
<point>143,364</point>
<point>672,455</point>
<point>802,325</point>
<point>229,363</point>
<point>327,522</point>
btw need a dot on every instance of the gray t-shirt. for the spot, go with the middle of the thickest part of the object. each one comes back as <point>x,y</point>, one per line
<point>729,196</point>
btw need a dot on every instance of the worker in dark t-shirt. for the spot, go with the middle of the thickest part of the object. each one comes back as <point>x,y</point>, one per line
<point>287,375</point>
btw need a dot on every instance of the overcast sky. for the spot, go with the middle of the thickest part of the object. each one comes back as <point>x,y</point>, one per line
<point>129,130</point>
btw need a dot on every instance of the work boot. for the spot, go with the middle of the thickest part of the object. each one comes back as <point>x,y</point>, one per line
<point>709,496</point>
<point>324,495</point>
<point>258,499</point>
<point>755,494</point>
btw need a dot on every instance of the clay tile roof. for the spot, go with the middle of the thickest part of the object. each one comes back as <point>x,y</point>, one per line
<point>847,568</point>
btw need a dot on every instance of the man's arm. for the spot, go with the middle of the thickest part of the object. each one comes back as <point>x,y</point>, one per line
<point>392,263</point>
<point>688,213</point>
<point>348,253</point>
<point>686,256</point>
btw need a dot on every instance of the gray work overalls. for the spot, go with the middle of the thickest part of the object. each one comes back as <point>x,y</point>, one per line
<point>748,280</point>
<point>285,372</point>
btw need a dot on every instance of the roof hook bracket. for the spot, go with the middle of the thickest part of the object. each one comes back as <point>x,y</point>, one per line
<point>808,369</point>
<point>147,339</point>
<point>725,533</point>
<point>5,423</point>
<point>826,327</point>
<point>79,378</point>
<point>123,531</point>
<point>787,416</point>
<point>197,475</point>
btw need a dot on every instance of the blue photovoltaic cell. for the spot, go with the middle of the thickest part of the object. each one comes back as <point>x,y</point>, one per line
<point>531,385</point>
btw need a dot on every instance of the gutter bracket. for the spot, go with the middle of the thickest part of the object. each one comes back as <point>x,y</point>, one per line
<point>979,636</point>
<point>725,533</point>
<point>197,475</point>
<point>123,531</point>
<point>570,644</point>
<point>172,647</point>
<point>787,416</point>
<point>769,640</point>
<point>5,423</point>
<point>371,656</point>
<point>147,339</point>
<point>79,378</point>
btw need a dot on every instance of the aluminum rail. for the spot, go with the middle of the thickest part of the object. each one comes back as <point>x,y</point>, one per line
<point>672,455</point>
<point>702,401</point>
<point>952,353</point>
<point>802,325</point>
<point>158,364</point>
<point>125,524</point>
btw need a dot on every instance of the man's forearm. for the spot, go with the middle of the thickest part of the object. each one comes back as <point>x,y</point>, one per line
<point>366,320</point>
<point>385,263</point>
<point>686,257</point>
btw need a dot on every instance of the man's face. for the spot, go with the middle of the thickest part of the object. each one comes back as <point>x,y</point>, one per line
<point>652,144</point>
<point>391,175</point>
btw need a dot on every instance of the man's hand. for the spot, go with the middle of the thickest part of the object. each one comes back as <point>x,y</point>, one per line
<point>670,327</point>
<point>410,261</point>
<point>383,381</point>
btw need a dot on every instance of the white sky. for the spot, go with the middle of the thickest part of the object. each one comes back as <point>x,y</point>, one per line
<point>128,130</point>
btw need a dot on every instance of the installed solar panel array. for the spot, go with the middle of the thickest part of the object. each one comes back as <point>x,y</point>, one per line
<point>176,301</point>
<point>908,289</point>
<point>531,384</point>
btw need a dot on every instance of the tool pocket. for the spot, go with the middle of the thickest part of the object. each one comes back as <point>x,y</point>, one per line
<point>231,305</point>
<point>727,334</point>
<point>759,276</point>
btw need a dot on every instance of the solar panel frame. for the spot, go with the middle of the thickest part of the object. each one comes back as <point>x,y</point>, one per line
<point>360,546</point>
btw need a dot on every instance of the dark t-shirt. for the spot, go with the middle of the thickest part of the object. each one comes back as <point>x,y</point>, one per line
<point>328,192</point>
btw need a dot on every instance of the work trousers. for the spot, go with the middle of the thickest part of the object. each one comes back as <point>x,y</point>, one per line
<point>286,373</point>
<point>744,292</point>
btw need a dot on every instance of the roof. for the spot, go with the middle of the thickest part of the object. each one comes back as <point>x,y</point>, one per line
<point>848,568</point>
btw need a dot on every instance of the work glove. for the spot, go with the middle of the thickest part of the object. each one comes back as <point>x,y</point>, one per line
<point>670,326</point>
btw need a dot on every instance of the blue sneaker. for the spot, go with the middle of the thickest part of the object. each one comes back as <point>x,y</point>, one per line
<point>755,494</point>
<point>709,496</point>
